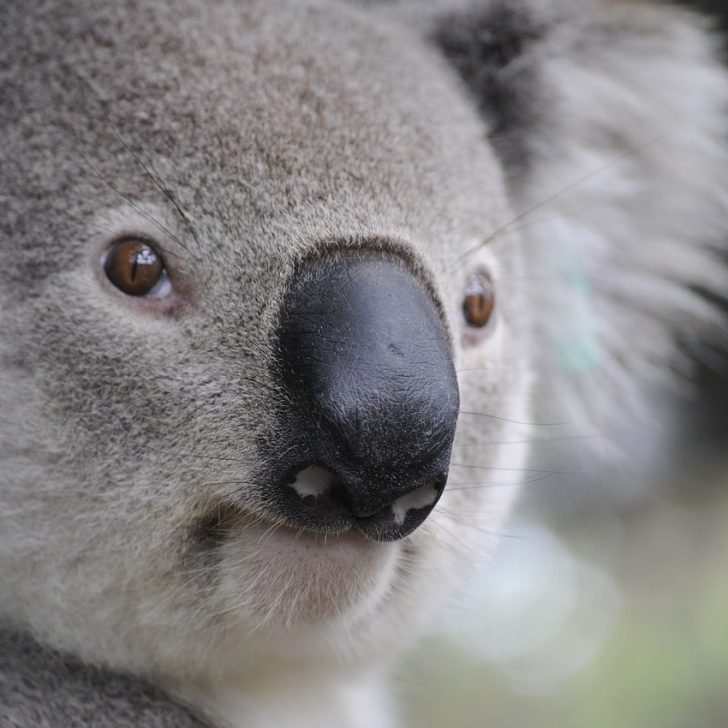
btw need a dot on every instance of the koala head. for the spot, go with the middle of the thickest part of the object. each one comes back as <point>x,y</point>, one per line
<point>250,329</point>
<point>267,330</point>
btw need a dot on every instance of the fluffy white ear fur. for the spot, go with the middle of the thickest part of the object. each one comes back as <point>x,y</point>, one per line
<point>627,209</point>
<point>620,110</point>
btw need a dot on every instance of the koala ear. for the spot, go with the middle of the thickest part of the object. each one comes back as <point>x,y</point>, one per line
<point>611,120</point>
<point>497,49</point>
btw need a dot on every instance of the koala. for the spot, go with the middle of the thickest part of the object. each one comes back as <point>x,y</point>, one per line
<point>285,287</point>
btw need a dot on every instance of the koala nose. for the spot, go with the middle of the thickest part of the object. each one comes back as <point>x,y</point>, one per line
<point>373,397</point>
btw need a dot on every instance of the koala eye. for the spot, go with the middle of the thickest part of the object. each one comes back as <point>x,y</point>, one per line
<point>136,268</point>
<point>479,300</point>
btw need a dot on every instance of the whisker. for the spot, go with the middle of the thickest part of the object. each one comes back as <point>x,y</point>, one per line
<point>531,441</point>
<point>211,483</point>
<point>506,227</point>
<point>151,172</point>
<point>497,484</point>
<point>200,456</point>
<point>480,466</point>
<point>479,529</point>
<point>134,206</point>
<point>485,486</point>
<point>511,421</point>
<point>451,539</point>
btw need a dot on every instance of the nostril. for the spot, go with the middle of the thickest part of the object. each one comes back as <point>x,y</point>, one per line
<point>404,514</point>
<point>425,496</point>
<point>312,482</point>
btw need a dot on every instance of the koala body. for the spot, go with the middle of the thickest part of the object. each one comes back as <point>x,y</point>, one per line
<point>222,498</point>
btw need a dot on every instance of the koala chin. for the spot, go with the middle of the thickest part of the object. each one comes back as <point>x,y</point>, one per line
<point>282,285</point>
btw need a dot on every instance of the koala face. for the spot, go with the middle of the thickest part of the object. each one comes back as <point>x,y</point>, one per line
<point>256,349</point>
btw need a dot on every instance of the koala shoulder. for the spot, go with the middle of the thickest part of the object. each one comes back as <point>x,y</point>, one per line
<point>43,689</point>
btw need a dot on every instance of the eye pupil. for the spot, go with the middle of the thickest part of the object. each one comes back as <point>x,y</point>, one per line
<point>133,266</point>
<point>479,301</point>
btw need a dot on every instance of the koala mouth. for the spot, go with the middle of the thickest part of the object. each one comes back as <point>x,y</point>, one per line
<point>316,502</point>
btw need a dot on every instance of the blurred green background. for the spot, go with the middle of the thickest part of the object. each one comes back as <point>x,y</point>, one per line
<point>607,614</point>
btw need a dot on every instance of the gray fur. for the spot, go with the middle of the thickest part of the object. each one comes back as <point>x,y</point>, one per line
<point>242,136</point>
<point>42,689</point>
<point>496,49</point>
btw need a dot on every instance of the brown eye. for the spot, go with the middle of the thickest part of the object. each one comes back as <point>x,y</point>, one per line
<point>134,267</point>
<point>479,301</point>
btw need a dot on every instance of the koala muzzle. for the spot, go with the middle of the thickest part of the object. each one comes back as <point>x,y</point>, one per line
<point>371,398</point>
